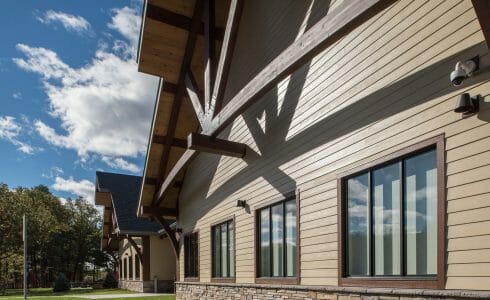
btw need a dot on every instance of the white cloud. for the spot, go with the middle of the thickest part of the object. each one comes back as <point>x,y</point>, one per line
<point>10,130</point>
<point>105,106</point>
<point>17,95</point>
<point>70,22</point>
<point>53,172</point>
<point>121,164</point>
<point>126,21</point>
<point>83,188</point>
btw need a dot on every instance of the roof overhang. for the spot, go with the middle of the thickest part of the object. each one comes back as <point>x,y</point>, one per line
<point>172,42</point>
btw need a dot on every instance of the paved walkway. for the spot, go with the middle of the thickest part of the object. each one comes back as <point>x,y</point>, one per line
<point>107,296</point>
<point>115,296</point>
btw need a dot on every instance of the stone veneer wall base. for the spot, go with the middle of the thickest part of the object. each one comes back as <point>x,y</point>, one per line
<point>219,291</point>
<point>164,286</point>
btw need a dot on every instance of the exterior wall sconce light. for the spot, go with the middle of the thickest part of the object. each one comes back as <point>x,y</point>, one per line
<point>241,203</point>
<point>463,70</point>
<point>467,105</point>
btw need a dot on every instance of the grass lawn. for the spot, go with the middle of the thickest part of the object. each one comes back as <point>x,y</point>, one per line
<point>47,294</point>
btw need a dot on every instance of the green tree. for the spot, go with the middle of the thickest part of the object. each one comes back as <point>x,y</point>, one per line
<point>62,238</point>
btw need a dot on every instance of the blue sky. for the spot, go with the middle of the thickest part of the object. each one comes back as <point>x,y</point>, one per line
<point>72,99</point>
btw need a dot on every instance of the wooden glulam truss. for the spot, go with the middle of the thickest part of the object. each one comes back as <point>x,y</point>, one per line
<point>208,105</point>
<point>204,103</point>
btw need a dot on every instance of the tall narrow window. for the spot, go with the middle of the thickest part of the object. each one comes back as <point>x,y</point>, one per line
<point>137,265</point>
<point>130,268</point>
<point>277,239</point>
<point>126,268</point>
<point>191,255</point>
<point>223,250</point>
<point>390,219</point>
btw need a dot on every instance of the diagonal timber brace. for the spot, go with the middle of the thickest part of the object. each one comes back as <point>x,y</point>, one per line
<point>171,234</point>
<point>135,246</point>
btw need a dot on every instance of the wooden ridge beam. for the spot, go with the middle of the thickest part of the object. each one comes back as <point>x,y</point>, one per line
<point>177,20</point>
<point>205,143</point>
<point>226,55</point>
<point>482,10</point>
<point>346,17</point>
<point>177,103</point>
<point>176,142</point>
<point>154,211</point>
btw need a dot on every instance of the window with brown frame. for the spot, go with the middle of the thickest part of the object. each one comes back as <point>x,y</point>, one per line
<point>222,249</point>
<point>392,220</point>
<point>191,255</point>
<point>276,240</point>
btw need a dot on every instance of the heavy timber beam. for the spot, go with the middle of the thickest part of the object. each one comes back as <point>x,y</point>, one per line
<point>348,16</point>
<point>169,213</point>
<point>482,9</point>
<point>205,143</point>
<point>209,52</point>
<point>345,18</point>
<point>174,19</point>
<point>194,95</point>
<point>154,181</point>
<point>169,87</point>
<point>225,56</point>
<point>160,139</point>
<point>177,103</point>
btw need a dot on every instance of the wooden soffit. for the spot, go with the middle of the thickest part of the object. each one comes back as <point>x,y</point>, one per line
<point>164,40</point>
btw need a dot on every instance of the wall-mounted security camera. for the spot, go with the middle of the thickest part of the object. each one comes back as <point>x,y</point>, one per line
<point>463,70</point>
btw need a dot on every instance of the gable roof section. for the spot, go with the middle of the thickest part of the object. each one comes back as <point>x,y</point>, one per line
<point>124,191</point>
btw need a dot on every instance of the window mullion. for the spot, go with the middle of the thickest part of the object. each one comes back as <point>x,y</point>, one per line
<point>271,252</point>
<point>227,251</point>
<point>371,227</point>
<point>284,246</point>
<point>402,221</point>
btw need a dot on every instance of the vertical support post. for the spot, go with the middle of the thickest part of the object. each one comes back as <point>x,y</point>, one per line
<point>145,260</point>
<point>24,238</point>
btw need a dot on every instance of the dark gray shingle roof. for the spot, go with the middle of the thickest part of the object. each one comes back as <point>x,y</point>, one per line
<point>125,190</point>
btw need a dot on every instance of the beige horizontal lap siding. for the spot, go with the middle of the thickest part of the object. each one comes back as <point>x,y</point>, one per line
<point>383,87</point>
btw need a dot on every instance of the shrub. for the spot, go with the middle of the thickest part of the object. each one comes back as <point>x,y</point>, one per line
<point>110,281</point>
<point>61,284</point>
